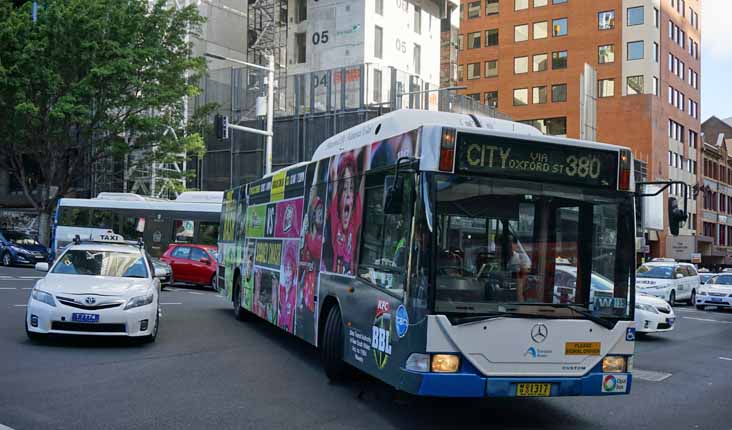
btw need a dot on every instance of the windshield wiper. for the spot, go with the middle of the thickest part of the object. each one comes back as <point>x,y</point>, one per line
<point>608,324</point>
<point>491,315</point>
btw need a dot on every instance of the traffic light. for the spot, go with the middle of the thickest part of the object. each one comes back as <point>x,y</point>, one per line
<point>676,216</point>
<point>221,126</point>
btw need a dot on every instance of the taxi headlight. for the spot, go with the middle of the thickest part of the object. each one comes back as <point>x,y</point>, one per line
<point>613,364</point>
<point>647,308</point>
<point>44,297</point>
<point>138,301</point>
<point>445,363</point>
<point>702,293</point>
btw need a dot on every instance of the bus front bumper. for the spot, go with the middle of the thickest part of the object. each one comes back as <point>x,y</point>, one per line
<point>474,385</point>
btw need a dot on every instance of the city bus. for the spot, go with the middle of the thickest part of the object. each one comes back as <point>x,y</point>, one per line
<point>193,217</point>
<point>425,249</point>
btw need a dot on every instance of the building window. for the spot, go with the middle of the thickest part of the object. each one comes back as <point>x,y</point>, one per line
<point>635,85</point>
<point>417,59</point>
<point>606,20</point>
<point>539,95</point>
<point>473,9</point>
<point>520,4</point>
<point>378,42</point>
<point>540,62</point>
<point>521,65</point>
<point>656,89</point>
<point>473,71</point>
<point>559,27</point>
<point>474,40</point>
<point>606,87</point>
<point>461,42</point>
<point>540,3</point>
<point>491,37</point>
<point>606,54</point>
<point>550,126</point>
<point>521,97</point>
<point>301,11</point>
<point>418,20</point>
<point>559,60</point>
<point>521,33</point>
<point>635,50</point>
<point>460,72</point>
<point>635,16</point>
<point>491,68</point>
<point>541,30</point>
<point>491,99</point>
<point>491,7</point>
<point>559,1</point>
<point>300,44</point>
<point>474,96</point>
<point>379,7</point>
<point>559,93</point>
<point>377,86</point>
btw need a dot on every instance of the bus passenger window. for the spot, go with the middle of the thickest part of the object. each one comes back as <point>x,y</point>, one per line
<point>208,233</point>
<point>183,230</point>
<point>385,239</point>
<point>74,217</point>
<point>102,218</point>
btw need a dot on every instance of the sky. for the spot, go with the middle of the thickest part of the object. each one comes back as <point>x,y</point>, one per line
<point>716,52</point>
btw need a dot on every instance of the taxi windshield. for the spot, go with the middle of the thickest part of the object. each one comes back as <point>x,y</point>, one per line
<point>101,263</point>
<point>659,272</point>
<point>722,280</point>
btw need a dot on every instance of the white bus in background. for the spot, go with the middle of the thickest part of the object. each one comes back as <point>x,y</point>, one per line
<point>191,218</point>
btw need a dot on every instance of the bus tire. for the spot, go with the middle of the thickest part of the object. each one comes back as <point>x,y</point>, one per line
<point>239,312</point>
<point>331,352</point>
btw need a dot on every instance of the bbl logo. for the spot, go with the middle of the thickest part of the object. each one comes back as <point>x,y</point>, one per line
<point>381,334</point>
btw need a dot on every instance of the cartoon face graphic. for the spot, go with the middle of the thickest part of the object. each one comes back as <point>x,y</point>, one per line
<point>346,198</point>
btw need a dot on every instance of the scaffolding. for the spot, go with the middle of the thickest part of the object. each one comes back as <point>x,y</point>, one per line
<point>267,34</point>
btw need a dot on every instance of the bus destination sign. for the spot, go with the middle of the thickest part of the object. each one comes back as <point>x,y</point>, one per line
<point>539,161</point>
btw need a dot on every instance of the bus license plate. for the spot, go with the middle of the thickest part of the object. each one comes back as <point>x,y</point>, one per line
<point>87,318</point>
<point>533,390</point>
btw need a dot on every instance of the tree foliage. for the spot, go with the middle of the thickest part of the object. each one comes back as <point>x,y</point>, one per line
<point>90,80</point>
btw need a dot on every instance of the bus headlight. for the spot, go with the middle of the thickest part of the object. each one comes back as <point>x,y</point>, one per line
<point>418,362</point>
<point>613,364</point>
<point>445,363</point>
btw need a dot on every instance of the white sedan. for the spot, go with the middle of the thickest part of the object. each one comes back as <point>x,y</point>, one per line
<point>716,292</point>
<point>101,289</point>
<point>653,314</point>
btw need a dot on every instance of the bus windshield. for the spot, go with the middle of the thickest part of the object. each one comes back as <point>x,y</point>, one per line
<point>510,245</point>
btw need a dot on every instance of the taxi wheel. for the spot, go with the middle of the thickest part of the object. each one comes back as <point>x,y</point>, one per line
<point>672,298</point>
<point>331,352</point>
<point>692,298</point>
<point>154,335</point>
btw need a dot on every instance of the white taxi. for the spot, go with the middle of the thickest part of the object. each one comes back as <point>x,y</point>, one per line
<point>668,280</point>
<point>105,287</point>
<point>653,314</point>
<point>716,292</point>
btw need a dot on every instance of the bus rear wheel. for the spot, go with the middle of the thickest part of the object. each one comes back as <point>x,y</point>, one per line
<point>331,351</point>
<point>239,312</point>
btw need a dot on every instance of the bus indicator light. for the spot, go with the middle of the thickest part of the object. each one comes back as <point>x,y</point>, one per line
<point>447,150</point>
<point>624,182</point>
<point>445,363</point>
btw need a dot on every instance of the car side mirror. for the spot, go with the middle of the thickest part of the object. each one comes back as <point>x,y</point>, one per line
<point>42,267</point>
<point>204,260</point>
<point>679,276</point>
<point>159,272</point>
<point>676,216</point>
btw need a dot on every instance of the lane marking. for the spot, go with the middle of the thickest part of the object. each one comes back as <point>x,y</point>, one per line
<point>725,358</point>
<point>196,292</point>
<point>172,303</point>
<point>31,277</point>
<point>171,289</point>
<point>20,306</point>
<point>8,288</point>
<point>707,320</point>
<point>27,288</point>
<point>650,375</point>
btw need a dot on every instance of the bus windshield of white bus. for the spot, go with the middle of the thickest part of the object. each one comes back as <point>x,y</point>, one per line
<point>528,247</point>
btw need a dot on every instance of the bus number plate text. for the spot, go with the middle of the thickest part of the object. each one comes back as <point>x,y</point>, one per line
<point>533,390</point>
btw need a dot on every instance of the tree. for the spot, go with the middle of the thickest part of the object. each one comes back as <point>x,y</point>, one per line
<point>89,80</point>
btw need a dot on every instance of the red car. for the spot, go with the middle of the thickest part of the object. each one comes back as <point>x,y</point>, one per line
<point>195,264</point>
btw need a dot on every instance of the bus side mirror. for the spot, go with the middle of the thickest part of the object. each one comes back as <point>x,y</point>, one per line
<point>676,216</point>
<point>393,195</point>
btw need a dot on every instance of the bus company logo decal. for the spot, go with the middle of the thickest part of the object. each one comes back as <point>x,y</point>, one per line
<point>537,353</point>
<point>402,321</point>
<point>289,216</point>
<point>381,334</point>
<point>539,333</point>
<point>614,383</point>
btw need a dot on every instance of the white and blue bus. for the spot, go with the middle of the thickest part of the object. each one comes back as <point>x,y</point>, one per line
<point>192,218</point>
<point>426,249</point>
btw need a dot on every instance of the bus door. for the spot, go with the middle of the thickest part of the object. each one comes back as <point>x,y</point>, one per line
<point>157,233</point>
<point>380,288</point>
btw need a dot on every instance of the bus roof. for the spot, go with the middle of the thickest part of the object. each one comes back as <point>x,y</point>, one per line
<point>205,202</point>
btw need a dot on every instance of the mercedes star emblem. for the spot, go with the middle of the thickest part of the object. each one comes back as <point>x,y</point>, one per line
<point>539,333</point>
<point>92,300</point>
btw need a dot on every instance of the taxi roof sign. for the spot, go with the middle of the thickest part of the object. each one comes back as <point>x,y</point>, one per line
<point>109,237</point>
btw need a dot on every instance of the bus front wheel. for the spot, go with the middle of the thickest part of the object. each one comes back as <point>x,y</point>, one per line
<point>331,352</point>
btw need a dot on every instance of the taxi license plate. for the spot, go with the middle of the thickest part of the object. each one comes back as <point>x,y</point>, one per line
<point>87,318</point>
<point>533,390</point>
<point>717,299</point>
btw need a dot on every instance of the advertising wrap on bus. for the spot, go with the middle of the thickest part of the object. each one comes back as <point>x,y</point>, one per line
<point>503,275</point>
